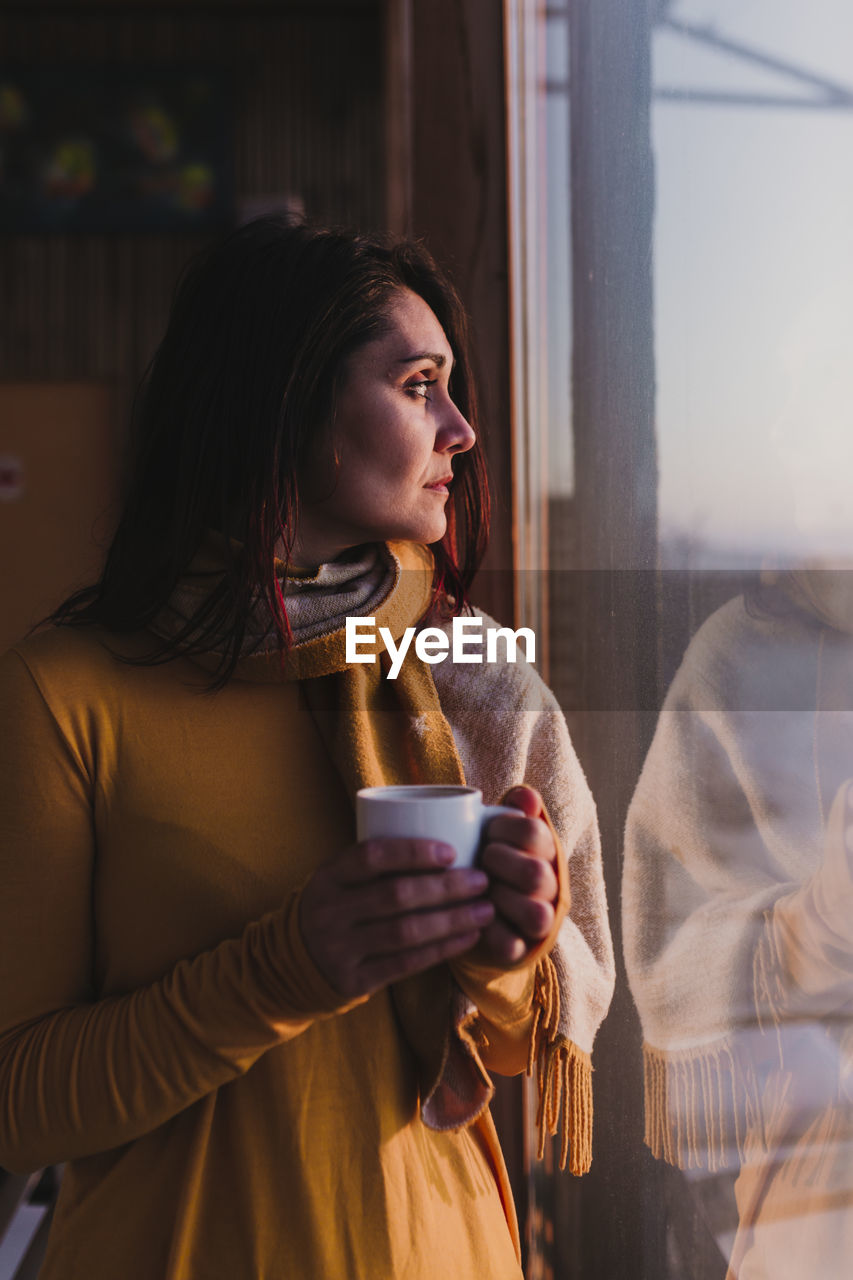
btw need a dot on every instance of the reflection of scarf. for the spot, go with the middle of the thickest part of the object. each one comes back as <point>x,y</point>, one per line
<point>737,893</point>
<point>381,732</point>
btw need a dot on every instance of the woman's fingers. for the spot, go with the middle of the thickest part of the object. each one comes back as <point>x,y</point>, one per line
<point>529,834</point>
<point>413,930</point>
<point>390,907</point>
<point>502,944</point>
<point>527,799</point>
<point>370,959</point>
<point>398,894</point>
<point>520,925</point>
<point>526,873</point>
<point>533,918</point>
<point>371,858</point>
<point>380,971</point>
<point>520,862</point>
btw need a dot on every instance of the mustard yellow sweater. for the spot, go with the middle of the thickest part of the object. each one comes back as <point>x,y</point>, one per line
<point>222,1112</point>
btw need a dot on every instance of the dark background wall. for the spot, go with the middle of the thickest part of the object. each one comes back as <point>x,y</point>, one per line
<point>307,120</point>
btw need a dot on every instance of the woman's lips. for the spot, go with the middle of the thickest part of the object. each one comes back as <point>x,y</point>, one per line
<point>440,486</point>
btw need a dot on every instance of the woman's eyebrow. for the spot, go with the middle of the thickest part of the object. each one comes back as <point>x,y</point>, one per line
<point>435,357</point>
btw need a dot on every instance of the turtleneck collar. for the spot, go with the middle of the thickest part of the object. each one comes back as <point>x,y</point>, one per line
<point>391,582</point>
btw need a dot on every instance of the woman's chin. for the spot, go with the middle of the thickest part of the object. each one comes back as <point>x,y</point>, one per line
<point>423,531</point>
<point>434,534</point>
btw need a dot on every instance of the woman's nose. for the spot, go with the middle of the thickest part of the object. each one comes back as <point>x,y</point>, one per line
<point>455,435</point>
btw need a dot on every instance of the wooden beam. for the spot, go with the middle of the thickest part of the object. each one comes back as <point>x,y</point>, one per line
<point>398,115</point>
<point>459,185</point>
<point>613,382</point>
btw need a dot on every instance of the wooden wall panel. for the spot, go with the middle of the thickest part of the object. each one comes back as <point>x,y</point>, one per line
<point>456,200</point>
<point>459,205</point>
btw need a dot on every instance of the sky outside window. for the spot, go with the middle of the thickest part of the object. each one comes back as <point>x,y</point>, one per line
<point>754,285</point>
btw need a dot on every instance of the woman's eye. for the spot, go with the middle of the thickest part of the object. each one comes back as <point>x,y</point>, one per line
<point>420,388</point>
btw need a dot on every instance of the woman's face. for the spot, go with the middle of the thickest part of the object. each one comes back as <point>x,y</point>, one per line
<point>396,432</point>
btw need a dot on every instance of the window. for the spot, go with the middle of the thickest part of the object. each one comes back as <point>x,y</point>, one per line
<point>680,208</point>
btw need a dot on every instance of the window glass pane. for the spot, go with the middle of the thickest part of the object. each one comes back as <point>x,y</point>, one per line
<point>690,309</point>
<point>753,279</point>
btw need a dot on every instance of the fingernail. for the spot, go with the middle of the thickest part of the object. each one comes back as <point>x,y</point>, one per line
<point>482,912</point>
<point>444,853</point>
<point>476,881</point>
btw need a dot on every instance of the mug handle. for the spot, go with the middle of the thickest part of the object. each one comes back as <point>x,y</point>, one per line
<point>497,811</point>
<point>487,812</point>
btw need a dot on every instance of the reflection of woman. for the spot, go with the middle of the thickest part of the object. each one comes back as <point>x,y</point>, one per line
<point>259,1055</point>
<point>738,909</point>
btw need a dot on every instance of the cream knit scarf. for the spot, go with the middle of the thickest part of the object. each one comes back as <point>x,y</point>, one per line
<point>384,732</point>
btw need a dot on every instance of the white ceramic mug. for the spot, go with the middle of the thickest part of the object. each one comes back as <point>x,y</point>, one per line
<point>454,815</point>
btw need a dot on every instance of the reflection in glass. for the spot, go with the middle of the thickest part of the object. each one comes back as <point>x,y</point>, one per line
<point>738,878</point>
<point>738,921</point>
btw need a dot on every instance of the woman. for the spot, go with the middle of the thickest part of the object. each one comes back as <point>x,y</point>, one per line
<point>263,1050</point>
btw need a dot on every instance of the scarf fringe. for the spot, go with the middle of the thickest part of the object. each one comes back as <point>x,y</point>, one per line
<point>564,1077</point>
<point>699,1104</point>
<point>768,984</point>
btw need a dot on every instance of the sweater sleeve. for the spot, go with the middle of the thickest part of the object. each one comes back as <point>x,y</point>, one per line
<point>79,1075</point>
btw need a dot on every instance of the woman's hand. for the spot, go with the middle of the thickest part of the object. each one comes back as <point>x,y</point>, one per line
<point>388,908</point>
<point>520,859</point>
